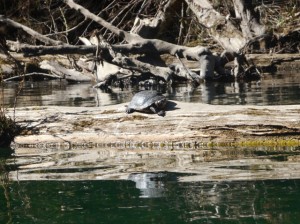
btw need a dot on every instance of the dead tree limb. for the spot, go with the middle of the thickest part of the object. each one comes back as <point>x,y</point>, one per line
<point>121,33</point>
<point>138,45</point>
<point>137,55</point>
<point>46,75</point>
<point>39,50</point>
<point>31,32</point>
<point>232,33</point>
<point>64,73</point>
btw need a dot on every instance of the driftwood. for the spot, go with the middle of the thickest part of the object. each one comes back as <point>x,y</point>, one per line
<point>64,73</point>
<point>184,122</point>
<point>139,53</point>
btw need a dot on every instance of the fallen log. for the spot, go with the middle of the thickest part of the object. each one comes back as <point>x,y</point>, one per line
<point>200,124</point>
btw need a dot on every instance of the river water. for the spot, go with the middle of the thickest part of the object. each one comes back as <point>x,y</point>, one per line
<point>272,90</point>
<point>207,185</point>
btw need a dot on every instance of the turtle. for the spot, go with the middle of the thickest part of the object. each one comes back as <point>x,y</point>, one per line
<point>147,101</point>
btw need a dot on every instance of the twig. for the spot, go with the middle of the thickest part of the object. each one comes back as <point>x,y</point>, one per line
<point>186,69</point>
<point>31,74</point>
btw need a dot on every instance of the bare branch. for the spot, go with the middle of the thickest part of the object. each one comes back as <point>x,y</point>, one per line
<point>30,31</point>
<point>121,33</point>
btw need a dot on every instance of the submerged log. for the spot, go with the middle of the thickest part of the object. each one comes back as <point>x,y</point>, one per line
<point>197,124</point>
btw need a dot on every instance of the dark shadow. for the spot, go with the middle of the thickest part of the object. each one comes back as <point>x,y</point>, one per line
<point>5,152</point>
<point>171,106</point>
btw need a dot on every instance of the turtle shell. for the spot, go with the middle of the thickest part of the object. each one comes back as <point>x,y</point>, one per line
<point>144,99</point>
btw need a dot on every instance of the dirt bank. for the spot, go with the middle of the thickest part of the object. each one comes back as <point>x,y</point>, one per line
<point>186,125</point>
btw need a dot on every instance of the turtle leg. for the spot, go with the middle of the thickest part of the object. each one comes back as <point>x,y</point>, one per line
<point>161,113</point>
<point>158,112</point>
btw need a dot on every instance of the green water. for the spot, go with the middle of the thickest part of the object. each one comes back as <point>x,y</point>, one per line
<point>98,185</point>
<point>121,201</point>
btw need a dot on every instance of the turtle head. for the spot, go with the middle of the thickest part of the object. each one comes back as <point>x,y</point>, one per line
<point>128,110</point>
<point>161,103</point>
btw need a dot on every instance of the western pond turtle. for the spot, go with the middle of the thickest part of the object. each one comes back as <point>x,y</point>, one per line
<point>147,101</point>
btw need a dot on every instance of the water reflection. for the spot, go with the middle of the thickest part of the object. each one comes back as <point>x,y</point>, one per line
<point>109,164</point>
<point>151,185</point>
<point>209,185</point>
<point>272,90</point>
<point>120,202</point>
